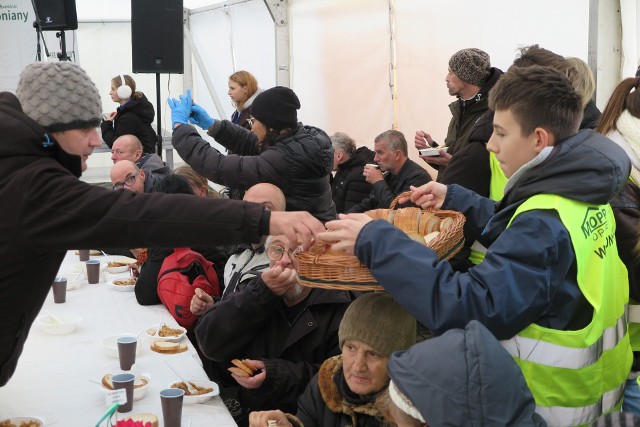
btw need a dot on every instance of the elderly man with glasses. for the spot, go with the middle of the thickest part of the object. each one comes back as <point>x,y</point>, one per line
<point>125,174</point>
<point>286,330</point>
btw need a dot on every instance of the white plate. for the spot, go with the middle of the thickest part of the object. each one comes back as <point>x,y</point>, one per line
<point>152,329</point>
<point>121,288</point>
<point>138,392</point>
<point>201,398</point>
<point>49,326</point>
<point>432,151</point>
<point>18,420</point>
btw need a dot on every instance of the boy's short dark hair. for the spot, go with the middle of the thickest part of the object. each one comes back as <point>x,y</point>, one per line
<point>539,97</point>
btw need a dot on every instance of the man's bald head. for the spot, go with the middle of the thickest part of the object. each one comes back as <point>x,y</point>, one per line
<point>268,194</point>
<point>126,147</point>
<point>126,170</point>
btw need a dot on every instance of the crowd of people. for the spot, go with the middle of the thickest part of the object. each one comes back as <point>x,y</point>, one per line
<point>535,322</point>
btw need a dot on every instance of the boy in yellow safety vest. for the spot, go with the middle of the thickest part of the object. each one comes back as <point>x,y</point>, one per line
<point>552,286</point>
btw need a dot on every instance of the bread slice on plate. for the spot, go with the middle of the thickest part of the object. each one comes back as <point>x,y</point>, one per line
<point>168,347</point>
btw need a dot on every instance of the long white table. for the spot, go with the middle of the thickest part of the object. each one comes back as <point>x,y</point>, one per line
<point>52,377</point>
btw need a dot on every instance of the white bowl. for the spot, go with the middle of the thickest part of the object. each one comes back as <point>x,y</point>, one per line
<point>138,392</point>
<point>116,270</point>
<point>19,420</point>
<point>150,333</point>
<point>432,151</point>
<point>121,288</point>
<point>200,398</point>
<point>67,323</point>
<point>110,344</point>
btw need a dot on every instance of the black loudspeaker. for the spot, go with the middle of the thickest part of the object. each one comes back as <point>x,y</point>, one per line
<point>156,36</point>
<point>56,15</point>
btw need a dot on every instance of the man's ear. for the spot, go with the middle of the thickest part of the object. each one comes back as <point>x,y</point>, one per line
<point>137,155</point>
<point>543,138</point>
<point>142,174</point>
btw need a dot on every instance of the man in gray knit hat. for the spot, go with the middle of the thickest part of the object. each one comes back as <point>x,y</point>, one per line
<point>47,133</point>
<point>470,77</point>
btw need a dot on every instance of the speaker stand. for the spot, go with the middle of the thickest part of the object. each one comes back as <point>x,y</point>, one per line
<point>62,56</point>
<point>40,37</point>
<point>158,116</point>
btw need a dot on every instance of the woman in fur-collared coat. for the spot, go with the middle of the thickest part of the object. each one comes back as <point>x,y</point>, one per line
<point>344,391</point>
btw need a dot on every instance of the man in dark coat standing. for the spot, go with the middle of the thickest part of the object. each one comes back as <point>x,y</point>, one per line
<point>48,133</point>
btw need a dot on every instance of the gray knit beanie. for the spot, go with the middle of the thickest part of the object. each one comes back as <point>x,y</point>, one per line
<point>59,96</point>
<point>378,321</point>
<point>471,65</point>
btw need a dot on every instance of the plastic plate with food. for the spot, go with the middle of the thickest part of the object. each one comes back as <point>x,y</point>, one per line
<point>124,284</point>
<point>110,344</point>
<point>58,324</point>
<point>432,151</point>
<point>119,265</point>
<point>140,385</point>
<point>22,422</point>
<point>165,333</point>
<point>205,390</point>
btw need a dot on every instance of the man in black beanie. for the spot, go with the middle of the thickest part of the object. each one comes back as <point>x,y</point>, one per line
<point>48,133</point>
<point>296,158</point>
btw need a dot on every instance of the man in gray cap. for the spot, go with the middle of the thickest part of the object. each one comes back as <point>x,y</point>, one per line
<point>48,133</point>
<point>470,77</point>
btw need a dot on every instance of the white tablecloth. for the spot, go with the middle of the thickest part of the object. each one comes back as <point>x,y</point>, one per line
<point>52,377</point>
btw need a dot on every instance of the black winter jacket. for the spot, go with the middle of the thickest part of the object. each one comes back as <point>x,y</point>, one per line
<point>323,404</point>
<point>299,164</point>
<point>385,191</point>
<point>348,186</point>
<point>50,211</point>
<point>253,323</point>
<point>133,118</point>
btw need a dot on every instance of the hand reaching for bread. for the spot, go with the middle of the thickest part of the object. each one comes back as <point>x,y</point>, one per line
<point>279,280</point>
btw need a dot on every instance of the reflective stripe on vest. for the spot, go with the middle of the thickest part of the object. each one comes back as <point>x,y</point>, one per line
<point>496,192</point>
<point>634,325</point>
<point>576,376</point>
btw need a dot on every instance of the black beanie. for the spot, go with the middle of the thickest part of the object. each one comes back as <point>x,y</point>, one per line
<point>276,108</point>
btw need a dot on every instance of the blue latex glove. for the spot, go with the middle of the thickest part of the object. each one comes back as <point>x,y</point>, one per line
<point>180,109</point>
<point>200,117</point>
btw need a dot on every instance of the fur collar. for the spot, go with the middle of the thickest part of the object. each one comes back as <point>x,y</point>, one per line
<point>333,397</point>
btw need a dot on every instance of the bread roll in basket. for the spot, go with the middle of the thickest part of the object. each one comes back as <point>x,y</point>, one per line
<point>440,230</point>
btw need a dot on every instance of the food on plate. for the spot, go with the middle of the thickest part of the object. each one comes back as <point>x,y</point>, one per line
<point>200,390</point>
<point>117,264</point>
<point>108,384</point>
<point>168,347</point>
<point>125,282</point>
<point>243,368</point>
<point>166,331</point>
<point>429,237</point>
<point>139,420</point>
<point>30,423</point>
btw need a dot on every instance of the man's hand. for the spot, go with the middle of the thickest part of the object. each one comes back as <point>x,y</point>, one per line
<point>429,195</point>
<point>372,174</point>
<point>262,418</point>
<point>419,140</point>
<point>180,109</point>
<point>279,280</point>
<point>201,302</point>
<point>342,233</point>
<point>254,381</point>
<point>200,117</point>
<point>441,159</point>
<point>298,227</point>
<point>111,116</point>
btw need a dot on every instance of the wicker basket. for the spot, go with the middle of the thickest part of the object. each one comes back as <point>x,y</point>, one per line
<point>331,270</point>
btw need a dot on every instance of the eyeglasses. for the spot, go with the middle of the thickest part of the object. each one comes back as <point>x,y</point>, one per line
<point>275,252</point>
<point>128,181</point>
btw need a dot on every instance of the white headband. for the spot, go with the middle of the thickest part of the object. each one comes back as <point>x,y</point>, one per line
<point>403,402</point>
